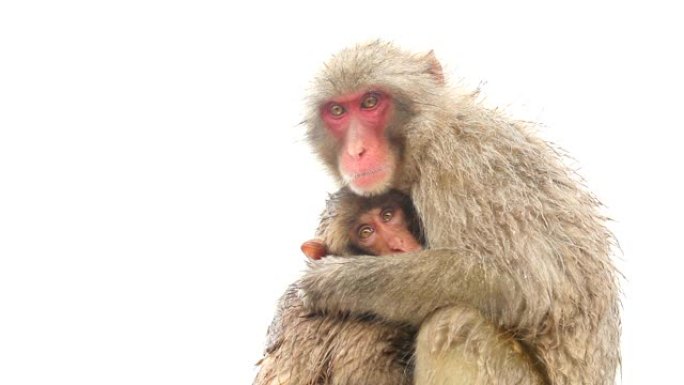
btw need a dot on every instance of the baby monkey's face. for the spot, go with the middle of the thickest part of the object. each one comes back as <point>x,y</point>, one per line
<point>384,230</point>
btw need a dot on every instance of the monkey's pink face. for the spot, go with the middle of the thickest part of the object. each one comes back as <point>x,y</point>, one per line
<point>358,122</point>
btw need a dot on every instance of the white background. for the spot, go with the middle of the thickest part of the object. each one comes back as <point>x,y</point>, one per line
<point>155,186</point>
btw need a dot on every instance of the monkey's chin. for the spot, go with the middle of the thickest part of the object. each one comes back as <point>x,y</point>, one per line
<point>373,182</point>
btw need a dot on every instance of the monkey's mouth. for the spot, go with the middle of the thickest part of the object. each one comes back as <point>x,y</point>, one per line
<point>363,174</point>
<point>368,182</point>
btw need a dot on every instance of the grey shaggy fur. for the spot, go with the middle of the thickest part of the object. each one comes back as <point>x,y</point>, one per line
<point>517,283</point>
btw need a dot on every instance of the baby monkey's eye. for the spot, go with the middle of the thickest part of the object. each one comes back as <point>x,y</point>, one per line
<point>365,231</point>
<point>387,215</point>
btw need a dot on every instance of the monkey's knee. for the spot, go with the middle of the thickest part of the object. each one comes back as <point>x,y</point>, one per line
<point>457,345</point>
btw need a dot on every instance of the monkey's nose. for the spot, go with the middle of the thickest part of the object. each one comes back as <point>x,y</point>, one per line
<point>356,150</point>
<point>356,140</point>
<point>403,244</point>
<point>396,245</point>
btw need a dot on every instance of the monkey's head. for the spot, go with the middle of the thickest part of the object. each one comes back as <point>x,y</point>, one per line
<point>363,108</point>
<point>343,214</point>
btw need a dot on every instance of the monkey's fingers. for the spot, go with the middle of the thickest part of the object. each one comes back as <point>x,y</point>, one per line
<point>314,249</point>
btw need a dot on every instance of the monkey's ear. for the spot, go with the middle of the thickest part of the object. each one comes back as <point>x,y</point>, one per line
<point>435,68</point>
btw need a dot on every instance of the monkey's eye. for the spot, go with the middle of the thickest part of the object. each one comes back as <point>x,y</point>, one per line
<point>365,232</point>
<point>369,101</point>
<point>387,215</point>
<point>336,110</point>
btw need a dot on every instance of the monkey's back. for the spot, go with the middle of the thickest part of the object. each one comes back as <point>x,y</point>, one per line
<point>514,200</point>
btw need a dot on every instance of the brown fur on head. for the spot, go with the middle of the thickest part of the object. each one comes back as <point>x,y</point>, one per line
<point>342,211</point>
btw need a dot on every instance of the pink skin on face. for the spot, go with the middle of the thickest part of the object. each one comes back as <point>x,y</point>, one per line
<point>358,121</point>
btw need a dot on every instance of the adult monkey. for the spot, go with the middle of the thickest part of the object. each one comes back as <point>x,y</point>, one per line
<point>516,246</point>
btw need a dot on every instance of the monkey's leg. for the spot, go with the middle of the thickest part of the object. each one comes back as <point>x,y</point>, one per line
<point>325,350</point>
<point>371,352</point>
<point>296,352</point>
<point>328,351</point>
<point>456,345</point>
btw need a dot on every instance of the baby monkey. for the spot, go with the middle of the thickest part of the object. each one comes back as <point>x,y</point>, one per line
<point>380,225</point>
